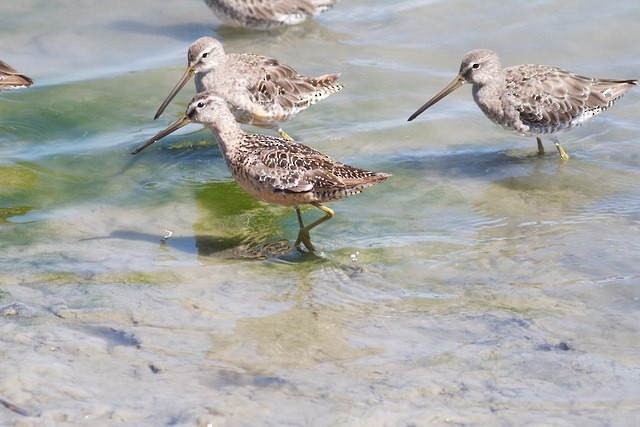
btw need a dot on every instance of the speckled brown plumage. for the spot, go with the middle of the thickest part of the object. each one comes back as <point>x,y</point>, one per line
<point>530,99</point>
<point>267,14</point>
<point>272,169</point>
<point>11,78</point>
<point>259,90</point>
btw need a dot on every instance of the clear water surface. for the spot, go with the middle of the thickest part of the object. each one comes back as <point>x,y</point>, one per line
<point>480,285</point>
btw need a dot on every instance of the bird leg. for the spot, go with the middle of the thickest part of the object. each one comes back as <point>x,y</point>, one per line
<point>303,238</point>
<point>284,134</point>
<point>540,147</point>
<point>303,235</point>
<point>563,154</point>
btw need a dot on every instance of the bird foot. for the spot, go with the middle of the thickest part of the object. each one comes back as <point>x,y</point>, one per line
<point>284,134</point>
<point>305,239</point>
<point>563,154</point>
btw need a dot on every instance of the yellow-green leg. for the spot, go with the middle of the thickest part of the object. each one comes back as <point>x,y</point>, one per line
<point>284,134</point>
<point>306,240</point>
<point>540,147</point>
<point>563,154</point>
<point>303,235</point>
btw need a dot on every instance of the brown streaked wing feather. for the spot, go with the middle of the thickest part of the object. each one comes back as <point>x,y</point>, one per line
<point>323,5</point>
<point>266,9</point>
<point>286,7</point>
<point>606,91</point>
<point>290,166</point>
<point>551,96</point>
<point>341,176</point>
<point>286,165</point>
<point>546,95</point>
<point>271,81</point>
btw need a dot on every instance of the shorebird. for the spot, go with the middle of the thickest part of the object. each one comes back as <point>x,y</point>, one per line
<point>260,91</point>
<point>273,169</point>
<point>532,100</point>
<point>11,78</point>
<point>267,14</point>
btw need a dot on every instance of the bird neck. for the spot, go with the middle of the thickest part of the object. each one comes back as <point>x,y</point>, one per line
<point>489,97</point>
<point>229,135</point>
<point>212,76</point>
<point>499,106</point>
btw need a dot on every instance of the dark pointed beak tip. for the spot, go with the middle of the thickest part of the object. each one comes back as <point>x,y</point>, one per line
<point>172,128</point>
<point>140,148</point>
<point>416,114</point>
<point>188,74</point>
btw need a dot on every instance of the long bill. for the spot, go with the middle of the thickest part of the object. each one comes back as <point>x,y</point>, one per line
<point>172,128</point>
<point>183,80</point>
<point>455,84</point>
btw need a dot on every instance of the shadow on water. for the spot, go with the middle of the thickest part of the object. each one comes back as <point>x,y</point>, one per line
<point>515,170</point>
<point>306,31</point>
<point>518,195</point>
<point>240,246</point>
<point>224,206</point>
<point>474,163</point>
<point>188,32</point>
<point>207,246</point>
<point>112,336</point>
<point>552,191</point>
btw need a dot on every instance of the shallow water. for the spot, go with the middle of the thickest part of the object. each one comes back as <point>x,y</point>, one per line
<point>480,285</point>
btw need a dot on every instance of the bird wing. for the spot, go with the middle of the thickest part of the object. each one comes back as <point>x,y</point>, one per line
<point>293,167</point>
<point>550,96</point>
<point>271,82</point>
<point>298,168</point>
<point>10,77</point>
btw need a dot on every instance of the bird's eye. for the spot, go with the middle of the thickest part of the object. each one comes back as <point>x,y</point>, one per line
<point>475,66</point>
<point>204,55</point>
<point>200,104</point>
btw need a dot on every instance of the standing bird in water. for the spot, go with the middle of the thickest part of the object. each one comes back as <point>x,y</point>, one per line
<point>259,91</point>
<point>11,78</point>
<point>267,14</point>
<point>532,100</point>
<point>272,169</point>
